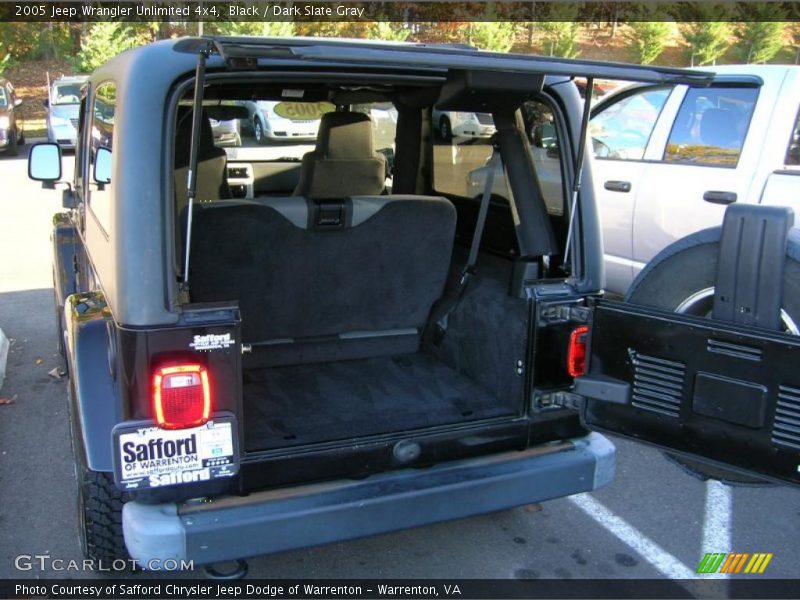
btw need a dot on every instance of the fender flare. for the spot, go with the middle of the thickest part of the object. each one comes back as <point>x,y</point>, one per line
<point>96,402</point>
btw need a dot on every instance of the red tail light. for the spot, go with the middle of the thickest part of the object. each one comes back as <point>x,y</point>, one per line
<point>576,355</point>
<point>181,396</point>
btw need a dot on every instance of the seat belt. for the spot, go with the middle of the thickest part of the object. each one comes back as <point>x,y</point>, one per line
<point>449,304</point>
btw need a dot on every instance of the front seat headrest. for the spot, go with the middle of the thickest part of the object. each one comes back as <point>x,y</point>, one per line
<point>345,135</point>
<point>343,163</point>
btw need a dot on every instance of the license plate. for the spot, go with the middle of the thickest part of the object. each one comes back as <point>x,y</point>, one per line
<point>149,457</point>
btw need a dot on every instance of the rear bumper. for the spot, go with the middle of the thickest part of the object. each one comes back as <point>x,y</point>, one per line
<point>297,517</point>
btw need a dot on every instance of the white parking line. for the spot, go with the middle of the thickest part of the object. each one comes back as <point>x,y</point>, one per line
<point>664,562</point>
<point>717,535</point>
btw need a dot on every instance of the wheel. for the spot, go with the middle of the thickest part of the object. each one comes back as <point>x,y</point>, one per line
<point>12,149</point>
<point>100,517</point>
<point>681,278</point>
<point>258,132</point>
<point>20,136</point>
<point>445,131</point>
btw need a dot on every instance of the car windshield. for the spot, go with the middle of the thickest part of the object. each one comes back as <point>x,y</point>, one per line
<point>3,99</point>
<point>66,93</point>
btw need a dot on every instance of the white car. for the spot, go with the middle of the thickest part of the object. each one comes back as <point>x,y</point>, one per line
<point>451,124</point>
<point>668,160</point>
<point>275,120</point>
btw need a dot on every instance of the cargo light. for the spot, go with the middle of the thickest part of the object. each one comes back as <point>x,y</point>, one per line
<point>181,396</point>
<point>576,355</point>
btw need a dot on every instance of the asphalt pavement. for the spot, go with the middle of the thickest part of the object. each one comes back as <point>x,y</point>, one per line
<point>653,521</point>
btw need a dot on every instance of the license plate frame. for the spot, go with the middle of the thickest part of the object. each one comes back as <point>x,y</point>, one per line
<point>197,454</point>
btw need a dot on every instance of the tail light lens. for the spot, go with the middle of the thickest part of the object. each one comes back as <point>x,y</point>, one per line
<point>181,396</point>
<point>576,355</point>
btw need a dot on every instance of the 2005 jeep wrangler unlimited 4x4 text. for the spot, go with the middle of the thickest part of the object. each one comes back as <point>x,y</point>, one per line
<point>270,351</point>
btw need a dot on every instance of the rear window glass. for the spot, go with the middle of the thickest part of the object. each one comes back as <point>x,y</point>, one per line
<point>711,126</point>
<point>286,129</point>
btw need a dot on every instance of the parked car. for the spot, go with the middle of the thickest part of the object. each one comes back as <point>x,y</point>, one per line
<point>329,356</point>
<point>11,133</point>
<point>62,106</point>
<point>670,159</point>
<point>469,125</point>
<point>273,120</point>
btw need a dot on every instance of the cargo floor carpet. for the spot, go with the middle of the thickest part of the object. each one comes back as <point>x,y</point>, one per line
<point>291,406</point>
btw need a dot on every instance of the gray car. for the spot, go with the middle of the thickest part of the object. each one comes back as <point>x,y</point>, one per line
<point>63,104</point>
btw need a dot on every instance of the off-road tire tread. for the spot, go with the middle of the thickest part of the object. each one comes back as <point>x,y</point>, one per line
<point>102,511</point>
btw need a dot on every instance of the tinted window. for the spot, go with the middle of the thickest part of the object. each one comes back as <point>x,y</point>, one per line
<point>793,152</point>
<point>711,126</point>
<point>102,136</point>
<point>622,130</point>
<point>3,99</point>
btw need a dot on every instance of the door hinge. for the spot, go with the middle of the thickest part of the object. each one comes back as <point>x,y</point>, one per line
<point>563,313</point>
<point>560,399</point>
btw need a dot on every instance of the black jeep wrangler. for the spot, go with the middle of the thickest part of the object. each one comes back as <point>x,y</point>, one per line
<point>278,345</point>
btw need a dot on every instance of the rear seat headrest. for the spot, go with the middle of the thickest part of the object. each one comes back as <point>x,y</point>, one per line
<point>345,135</point>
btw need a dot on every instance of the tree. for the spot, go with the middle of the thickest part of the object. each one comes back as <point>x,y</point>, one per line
<point>561,38</point>
<point>708,35</point>
<point>648,39</point>
<point>793,29</point>
<point>759,41</point>
<point>493,35</point>
<point>561,32</point>
<point>104,40</point>
<point>388,31</point>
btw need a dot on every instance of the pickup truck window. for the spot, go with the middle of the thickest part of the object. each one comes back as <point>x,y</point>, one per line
<point>793,151</point>
<point>622,130</point>
<point>102,136</point>
<point>711,126</point>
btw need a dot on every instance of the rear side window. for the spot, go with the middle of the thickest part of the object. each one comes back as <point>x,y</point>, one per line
<point>711,126</point>
<point>793,151</point>
<point>622,130</point>
<point>102,136</point>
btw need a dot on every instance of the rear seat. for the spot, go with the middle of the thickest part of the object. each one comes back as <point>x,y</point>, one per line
<point>324,280</point>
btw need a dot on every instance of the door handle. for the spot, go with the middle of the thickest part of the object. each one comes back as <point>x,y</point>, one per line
<point>618,186</point>
<point>716,197</point>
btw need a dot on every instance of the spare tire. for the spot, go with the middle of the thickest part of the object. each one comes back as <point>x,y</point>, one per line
<point>681,278</point>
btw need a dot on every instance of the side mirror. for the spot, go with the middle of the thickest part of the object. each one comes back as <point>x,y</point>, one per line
<point>18,101</point>
<point>44,163</point>
<point>102,166</point>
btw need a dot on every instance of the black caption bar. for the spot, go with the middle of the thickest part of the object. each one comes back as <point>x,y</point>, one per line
<point>397,11</point>
<point>402,589</point>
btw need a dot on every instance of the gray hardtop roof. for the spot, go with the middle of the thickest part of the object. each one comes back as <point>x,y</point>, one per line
<point>240,52</point>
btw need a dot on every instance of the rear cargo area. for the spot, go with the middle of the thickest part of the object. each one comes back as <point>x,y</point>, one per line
<point>304,404</point>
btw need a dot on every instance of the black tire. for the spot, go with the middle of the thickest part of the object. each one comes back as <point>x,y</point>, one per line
<point>684,270</point>
<point>12,149</point>
<point>258,132</point>
<point>20,137</point>
<point>100,514</point>
<point>445,130</point>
